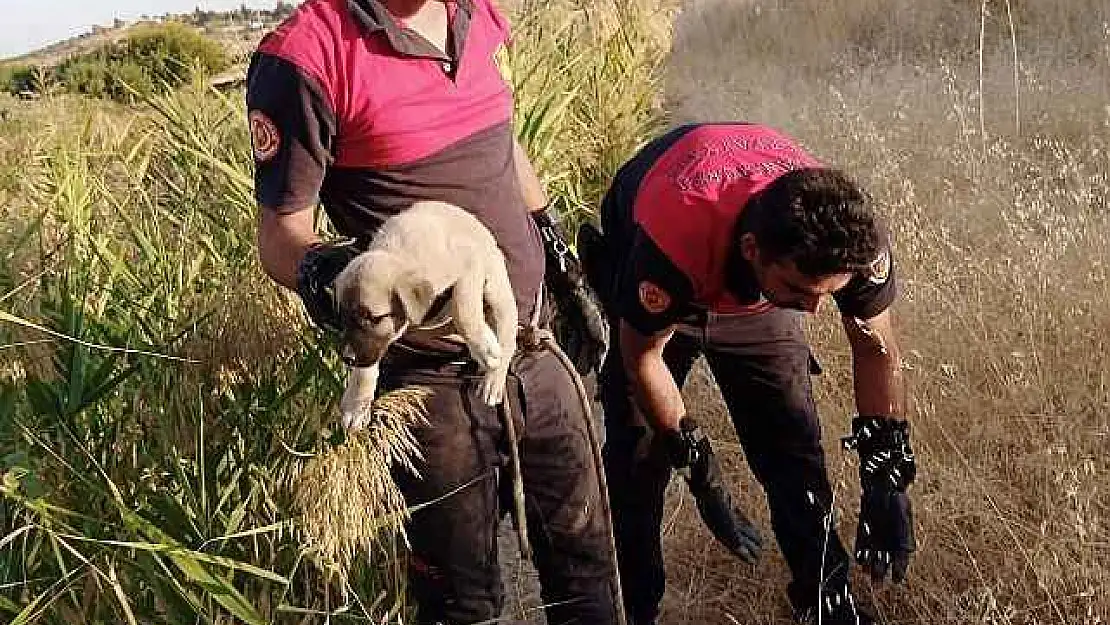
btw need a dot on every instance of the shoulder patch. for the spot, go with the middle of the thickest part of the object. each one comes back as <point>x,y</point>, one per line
<point>265,137</point>
<point>879,270</point>
<point>653,298</point>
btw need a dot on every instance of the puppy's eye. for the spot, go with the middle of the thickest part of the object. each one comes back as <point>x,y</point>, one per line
<point>366,314</point>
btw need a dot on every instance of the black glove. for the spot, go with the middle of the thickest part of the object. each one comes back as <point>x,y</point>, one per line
<point>691,455</point>
<point>579,327</point>
<point>316,275</point>
<point>884,536</point>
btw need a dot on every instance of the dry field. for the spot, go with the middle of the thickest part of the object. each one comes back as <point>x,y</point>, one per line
<point>995,181</point>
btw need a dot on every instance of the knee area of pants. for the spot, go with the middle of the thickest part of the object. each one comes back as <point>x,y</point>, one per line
<point>806,502</point>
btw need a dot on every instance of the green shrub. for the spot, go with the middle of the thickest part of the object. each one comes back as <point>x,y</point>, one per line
<point>152,59</point>
<point>17,78</point>
<point>171,53</point>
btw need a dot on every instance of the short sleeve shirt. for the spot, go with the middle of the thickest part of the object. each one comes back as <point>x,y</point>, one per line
<point>350,108</point>
<point>684,194</point>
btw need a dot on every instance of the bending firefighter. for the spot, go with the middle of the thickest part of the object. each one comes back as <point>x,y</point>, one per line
<point>716,239</point>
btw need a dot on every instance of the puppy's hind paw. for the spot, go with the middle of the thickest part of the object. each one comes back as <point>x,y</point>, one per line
<point>487,352</point>
<point>492,387</point>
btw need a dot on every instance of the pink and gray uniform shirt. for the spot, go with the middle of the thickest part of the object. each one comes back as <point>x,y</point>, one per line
<point>349,107</point>
<point>673,212</point>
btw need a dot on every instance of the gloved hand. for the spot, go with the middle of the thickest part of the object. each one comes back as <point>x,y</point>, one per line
<point>692,456</point>
<point>580,327</point>
<point>884,536</point>
<point>316,275</point>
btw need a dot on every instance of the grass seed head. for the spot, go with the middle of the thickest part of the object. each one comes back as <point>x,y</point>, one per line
<point>348,499</point>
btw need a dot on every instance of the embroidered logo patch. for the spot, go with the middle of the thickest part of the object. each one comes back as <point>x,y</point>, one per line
<point>654,299</point>
<point>879,270</point>
<point>265,137</point>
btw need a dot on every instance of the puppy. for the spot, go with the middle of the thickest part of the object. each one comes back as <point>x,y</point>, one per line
<point>413,259</point>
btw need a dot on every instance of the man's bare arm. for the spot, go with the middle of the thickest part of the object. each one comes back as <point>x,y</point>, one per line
<point>876,366</point>
<point>283,240</point>
<point>535,198</point>
<point>653,386</point>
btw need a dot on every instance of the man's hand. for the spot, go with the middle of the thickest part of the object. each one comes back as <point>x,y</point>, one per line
<point>691,454</point>
<point>316,274</point>
<point>580,326</point>
<point>884,536</point>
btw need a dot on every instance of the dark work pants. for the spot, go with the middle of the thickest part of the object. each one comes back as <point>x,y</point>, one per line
<point>762,365</point>
<point>454,573</point>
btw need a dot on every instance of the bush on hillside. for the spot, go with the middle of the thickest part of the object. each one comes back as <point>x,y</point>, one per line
<point>172,52</point>
<point>17,78</point>
<point>152,59</point>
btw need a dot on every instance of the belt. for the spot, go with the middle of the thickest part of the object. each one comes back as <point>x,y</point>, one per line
<point>529,339</point>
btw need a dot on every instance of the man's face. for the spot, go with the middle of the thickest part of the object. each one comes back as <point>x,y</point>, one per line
<point>786,287</point>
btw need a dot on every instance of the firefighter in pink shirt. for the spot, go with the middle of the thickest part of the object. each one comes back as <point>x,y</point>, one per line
<point>366,106</point>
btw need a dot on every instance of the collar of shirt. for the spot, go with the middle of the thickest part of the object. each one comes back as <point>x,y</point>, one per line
<point>375,17</point>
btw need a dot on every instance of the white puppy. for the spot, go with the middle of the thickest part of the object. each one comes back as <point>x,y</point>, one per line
<point>414,258</point>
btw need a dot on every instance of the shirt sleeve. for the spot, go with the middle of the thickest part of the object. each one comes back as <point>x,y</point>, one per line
<point>650,292</point>
<point>504,31</point>
<point>870,292</point>
<point>292,128</point>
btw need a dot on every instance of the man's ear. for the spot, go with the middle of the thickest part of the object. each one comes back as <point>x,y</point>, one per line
<point>749,247</point>
<point>414,294</point>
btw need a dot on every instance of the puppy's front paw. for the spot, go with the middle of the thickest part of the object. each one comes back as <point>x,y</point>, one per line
<point>357,404</point>
<point>492,387</point>
<point>487,351</point>
<point>354,418</point>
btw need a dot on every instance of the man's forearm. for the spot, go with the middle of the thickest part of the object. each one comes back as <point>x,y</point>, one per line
<point>656,394</point>
<point>654,389</point>
<point>652,385</point>
<point>281,247</point>
<point>535,197</point>
<point>878,385</point>
<point>876,367</point>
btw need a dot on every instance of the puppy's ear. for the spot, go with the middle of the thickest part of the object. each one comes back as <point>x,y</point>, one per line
<point>414,295</point>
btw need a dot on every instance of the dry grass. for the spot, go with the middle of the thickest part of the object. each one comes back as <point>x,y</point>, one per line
<point>997,195</point>
<point>350,504</point>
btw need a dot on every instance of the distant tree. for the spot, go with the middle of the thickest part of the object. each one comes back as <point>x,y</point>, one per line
<point>283,9</point>
<point>203,18</point>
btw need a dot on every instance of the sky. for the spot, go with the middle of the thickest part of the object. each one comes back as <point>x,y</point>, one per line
<point>27,25</point>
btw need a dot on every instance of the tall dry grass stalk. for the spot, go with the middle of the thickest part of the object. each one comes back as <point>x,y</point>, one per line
<point>350,505</point>
<point>586,77</point>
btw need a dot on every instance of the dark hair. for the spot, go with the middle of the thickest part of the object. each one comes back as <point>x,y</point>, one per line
<point>818,218</point>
